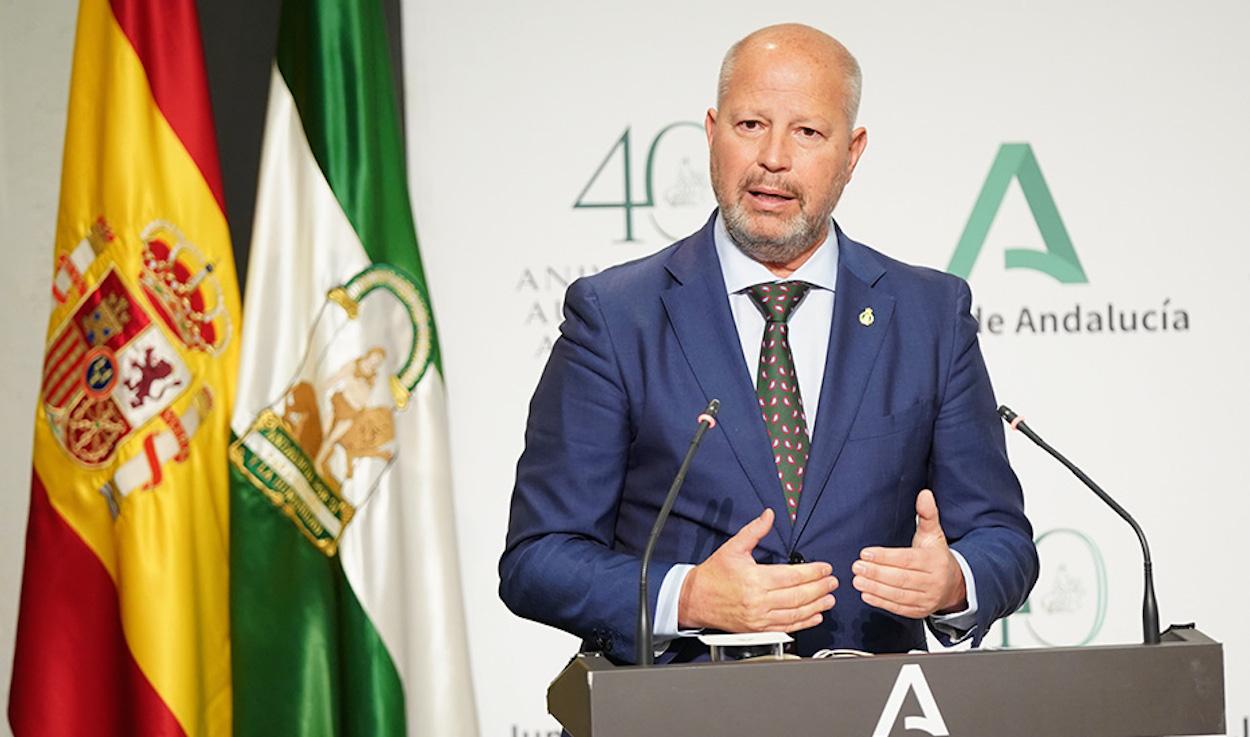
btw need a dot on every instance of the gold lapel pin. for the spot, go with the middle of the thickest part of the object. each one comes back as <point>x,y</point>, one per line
<point>866,318</point>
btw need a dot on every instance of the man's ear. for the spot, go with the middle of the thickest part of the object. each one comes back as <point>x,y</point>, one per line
<point>859,142</point>
<point>709,124</point>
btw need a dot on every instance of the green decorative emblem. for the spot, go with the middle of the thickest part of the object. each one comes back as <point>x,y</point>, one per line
<point>319,451</point>
<point>1059,260</point>
<point>1068,606</point>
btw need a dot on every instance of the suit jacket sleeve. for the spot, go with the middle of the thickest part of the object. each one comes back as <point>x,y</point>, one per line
<point>978,496</point>
<point>560,565</point>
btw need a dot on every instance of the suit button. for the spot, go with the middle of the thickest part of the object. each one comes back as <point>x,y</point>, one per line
<point>796,558</point>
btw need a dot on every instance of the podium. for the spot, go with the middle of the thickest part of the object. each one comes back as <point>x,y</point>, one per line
<point>1173,688</point>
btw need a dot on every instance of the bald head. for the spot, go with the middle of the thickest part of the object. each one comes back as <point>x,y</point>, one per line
<point>796,41</point>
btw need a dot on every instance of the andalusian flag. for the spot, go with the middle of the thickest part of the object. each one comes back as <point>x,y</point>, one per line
<point>345,596</point>
<point>124,625</point>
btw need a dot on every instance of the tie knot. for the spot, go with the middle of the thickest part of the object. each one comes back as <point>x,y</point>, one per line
<point>776,301</point>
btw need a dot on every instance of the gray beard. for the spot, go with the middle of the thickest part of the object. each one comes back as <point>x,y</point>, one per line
<point>802,235</point>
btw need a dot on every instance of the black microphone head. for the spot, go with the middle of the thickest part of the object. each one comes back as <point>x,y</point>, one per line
<point>712,408</point>
<point>1007,413</point>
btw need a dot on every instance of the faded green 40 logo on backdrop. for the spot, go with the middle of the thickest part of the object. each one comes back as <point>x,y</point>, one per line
<point>677,194</point>
<point>1069,603</point>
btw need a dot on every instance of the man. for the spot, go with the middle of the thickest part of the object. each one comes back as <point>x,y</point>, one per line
<point>855,406</point>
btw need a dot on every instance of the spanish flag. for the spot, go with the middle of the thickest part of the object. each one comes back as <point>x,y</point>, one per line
<point>124,622</point>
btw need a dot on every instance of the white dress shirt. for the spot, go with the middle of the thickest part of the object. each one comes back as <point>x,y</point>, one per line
<point>809,327</point>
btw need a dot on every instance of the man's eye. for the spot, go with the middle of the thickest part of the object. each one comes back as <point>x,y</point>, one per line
<point>809,132</point>
<point>750,125</point>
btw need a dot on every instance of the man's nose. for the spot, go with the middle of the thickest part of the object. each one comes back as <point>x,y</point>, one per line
<point>774,154</point>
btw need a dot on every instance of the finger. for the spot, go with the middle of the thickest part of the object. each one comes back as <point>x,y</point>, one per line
<point>903,578</point>
<point>892,594</point>
<point>806,624</point>
<point>927,511</point>
<point>783,575</point>
<point>798,615</point>
<point>751,533</point>
<point>910,612</point>
<point>894,557</point>
<point>794,597</point>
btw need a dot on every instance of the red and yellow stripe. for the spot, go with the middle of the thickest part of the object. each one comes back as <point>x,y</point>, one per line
<point>124,623</point>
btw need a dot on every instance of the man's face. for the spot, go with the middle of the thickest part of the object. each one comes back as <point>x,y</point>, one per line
<point>781,151</point>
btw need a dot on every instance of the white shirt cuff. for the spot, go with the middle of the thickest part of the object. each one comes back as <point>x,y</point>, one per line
<point>959,625</point>
<point>666,607</point>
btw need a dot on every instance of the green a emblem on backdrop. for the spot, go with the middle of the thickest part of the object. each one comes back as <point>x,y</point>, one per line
<point>1059,260</point>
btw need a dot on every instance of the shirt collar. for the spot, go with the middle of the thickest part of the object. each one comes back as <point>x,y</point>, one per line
<point>741,271</point>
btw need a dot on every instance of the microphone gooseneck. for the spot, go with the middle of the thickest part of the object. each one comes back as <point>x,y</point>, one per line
<point>645,649</point>
<point>1150,607</point>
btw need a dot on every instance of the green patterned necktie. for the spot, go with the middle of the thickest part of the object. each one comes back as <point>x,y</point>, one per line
<point>777,386</point>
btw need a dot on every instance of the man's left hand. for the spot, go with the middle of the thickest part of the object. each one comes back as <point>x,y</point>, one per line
<point>918,581</point>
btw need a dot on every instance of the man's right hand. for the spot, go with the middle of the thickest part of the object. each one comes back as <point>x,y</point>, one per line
<point>731,592</point>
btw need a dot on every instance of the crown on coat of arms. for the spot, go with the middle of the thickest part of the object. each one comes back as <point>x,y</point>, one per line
<point>183,288</point>
<point>99,234</point>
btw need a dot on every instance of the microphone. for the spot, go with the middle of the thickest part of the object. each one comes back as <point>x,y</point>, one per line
<point>645,648</point>
<point>1149,608</point>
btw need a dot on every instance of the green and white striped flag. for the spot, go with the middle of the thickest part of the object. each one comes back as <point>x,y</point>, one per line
<point>346,608</point>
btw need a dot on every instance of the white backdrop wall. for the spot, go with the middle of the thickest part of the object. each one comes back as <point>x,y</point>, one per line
<point>1136,113</point>
<point>36,41</point>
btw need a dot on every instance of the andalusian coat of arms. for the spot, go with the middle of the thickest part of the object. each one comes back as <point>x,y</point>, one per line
<point>319,449</point>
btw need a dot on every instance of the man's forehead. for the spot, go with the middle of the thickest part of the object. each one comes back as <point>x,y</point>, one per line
<point>812,81</point>
<point>790,102</point>
<point>794,40</point>
<point>789,56</point>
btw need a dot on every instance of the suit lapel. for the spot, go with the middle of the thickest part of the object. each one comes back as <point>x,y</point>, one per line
<point>698,309</point>
<point>852,352</point>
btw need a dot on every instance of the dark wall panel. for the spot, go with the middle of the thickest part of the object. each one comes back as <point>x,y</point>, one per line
<point>239,41</point>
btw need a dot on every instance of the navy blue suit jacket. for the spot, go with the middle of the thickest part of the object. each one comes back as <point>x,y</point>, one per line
<point>905,404</point>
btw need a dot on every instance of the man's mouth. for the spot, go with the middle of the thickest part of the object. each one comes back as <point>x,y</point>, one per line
<point>769,198</point>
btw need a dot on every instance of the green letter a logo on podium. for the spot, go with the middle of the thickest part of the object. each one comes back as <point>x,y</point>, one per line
<point>1016,161</point>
